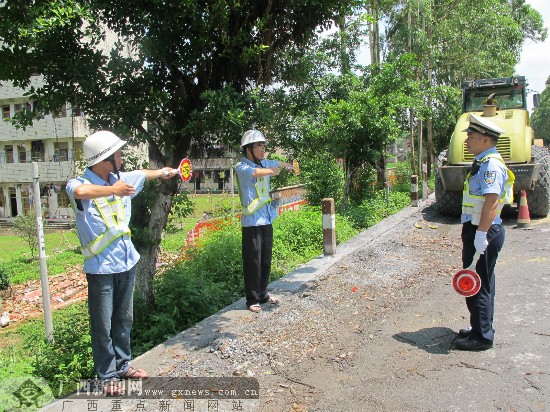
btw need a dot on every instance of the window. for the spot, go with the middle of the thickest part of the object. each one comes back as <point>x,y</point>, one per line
<point>61,150</point>
<point>8,149</point>
<point>62,197</point>
<point>37,151</point>
<point>18,107</point>
<point>22,151</point>
<point>25,201</point>
<point>6,111</point>
<point>61,112</point>
<point>76,111</point>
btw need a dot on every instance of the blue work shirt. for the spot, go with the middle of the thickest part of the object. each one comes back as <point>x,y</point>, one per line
<point>266,214</point>
<point>120,255</point>
<point>491,178</point>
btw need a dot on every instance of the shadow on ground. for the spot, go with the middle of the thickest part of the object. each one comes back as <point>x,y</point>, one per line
<point>437,340</point>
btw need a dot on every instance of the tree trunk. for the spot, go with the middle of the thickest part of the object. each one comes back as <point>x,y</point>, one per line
<point>381,172</point>
<point>347,183</point>
<point>147,265</point>
<point>374,35</point>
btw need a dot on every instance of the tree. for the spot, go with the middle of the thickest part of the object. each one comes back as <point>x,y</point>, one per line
<point>166,57</point>
<point>541,115</point>
<point>358,127</point>
<point>462,39</point>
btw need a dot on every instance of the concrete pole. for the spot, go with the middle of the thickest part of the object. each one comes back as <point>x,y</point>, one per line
<point>42,253</point>
<point>232,189</point>
<point>424,181</point>
<point>329,227</point>
<point>414,190</point>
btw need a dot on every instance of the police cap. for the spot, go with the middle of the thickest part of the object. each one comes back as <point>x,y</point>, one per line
<point>483,126</point>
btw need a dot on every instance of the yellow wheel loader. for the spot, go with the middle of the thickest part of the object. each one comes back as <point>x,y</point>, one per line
<point>503,100</point>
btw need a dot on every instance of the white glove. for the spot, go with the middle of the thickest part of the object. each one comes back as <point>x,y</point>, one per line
<point>480,242</point>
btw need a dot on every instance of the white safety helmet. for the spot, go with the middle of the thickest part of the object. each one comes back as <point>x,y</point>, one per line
<point>252,136</point>
<point>100,145</point>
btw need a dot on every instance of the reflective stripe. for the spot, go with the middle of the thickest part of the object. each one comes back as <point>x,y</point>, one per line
<point>112,213</point>
<point>472,204</point>
<point>262,193</point>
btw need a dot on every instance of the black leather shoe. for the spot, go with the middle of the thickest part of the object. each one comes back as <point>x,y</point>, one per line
<point>471,343</point>
<point>464,333</point>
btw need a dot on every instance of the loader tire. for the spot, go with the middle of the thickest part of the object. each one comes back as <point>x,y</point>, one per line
<point>448,203</point>
<point>538,199</point>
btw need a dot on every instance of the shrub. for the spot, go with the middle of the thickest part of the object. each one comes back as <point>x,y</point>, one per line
<point>376,208</point>
<point>285,178</point>
<point>69,358</point>
<point>207,280</point>
<point>182,206</point>
<point>4,277</point>
<point>25,226</point>
<point>324,178</point>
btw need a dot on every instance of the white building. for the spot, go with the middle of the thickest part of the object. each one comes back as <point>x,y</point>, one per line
<point>54,142</point>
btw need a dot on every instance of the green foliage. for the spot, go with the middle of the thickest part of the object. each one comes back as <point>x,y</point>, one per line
<point>25,226</point>
<point>375,209</point>
<point>4,278</point>
<point>324,177</point>
<point>182,206</point>
<point>26,352</point>
<point>297,237</point>
<point>285,178</point>
<point>429,26</point>
<point>402,180</point>
<point>447,107</point>
<point>69,358</point>
<point>208,279</point>
<point>541,116</point>
<point>62,253</point>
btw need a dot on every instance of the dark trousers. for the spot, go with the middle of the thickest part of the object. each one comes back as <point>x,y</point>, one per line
<point>257,246</point>
<point>482,305</point>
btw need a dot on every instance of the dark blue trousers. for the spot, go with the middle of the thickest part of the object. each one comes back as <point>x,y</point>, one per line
<point>257,243</point>
<point>482,305</point>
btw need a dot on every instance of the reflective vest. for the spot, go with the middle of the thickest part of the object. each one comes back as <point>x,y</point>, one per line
<point>262,195</point>
<point>473,204</point>
<point>112,213</point>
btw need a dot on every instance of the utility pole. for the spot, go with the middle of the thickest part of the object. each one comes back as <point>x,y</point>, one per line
<point>42,254</point>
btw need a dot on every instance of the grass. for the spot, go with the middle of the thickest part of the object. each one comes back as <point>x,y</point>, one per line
<point>62,247</point>
<point>202,203</point>
<point>21,347</point>
<point>61,251</point>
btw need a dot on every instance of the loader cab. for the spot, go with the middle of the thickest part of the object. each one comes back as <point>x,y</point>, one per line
<point>510,93</point>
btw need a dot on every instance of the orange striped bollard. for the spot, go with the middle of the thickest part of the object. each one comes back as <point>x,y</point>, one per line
<point>414,190</point>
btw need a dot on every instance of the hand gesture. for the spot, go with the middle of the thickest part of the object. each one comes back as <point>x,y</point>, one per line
<point>168,173</point>
<point>121,189</point>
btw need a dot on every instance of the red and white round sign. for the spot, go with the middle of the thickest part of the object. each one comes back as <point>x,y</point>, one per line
<point>466,282</point>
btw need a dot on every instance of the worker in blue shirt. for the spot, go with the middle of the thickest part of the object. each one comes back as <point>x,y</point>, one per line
<point>488,187</point>
<point>101,198</point>
<point>253,178</point>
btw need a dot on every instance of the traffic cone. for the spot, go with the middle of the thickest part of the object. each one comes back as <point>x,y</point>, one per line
<point>524,220</point>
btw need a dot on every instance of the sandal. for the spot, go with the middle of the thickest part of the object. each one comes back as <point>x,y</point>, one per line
<point>134,373</point>
<point>114,387</point>
<point>271,300</point>
<point>256,308</point>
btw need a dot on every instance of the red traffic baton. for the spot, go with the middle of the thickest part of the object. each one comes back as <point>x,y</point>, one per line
<point>466,281</point>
